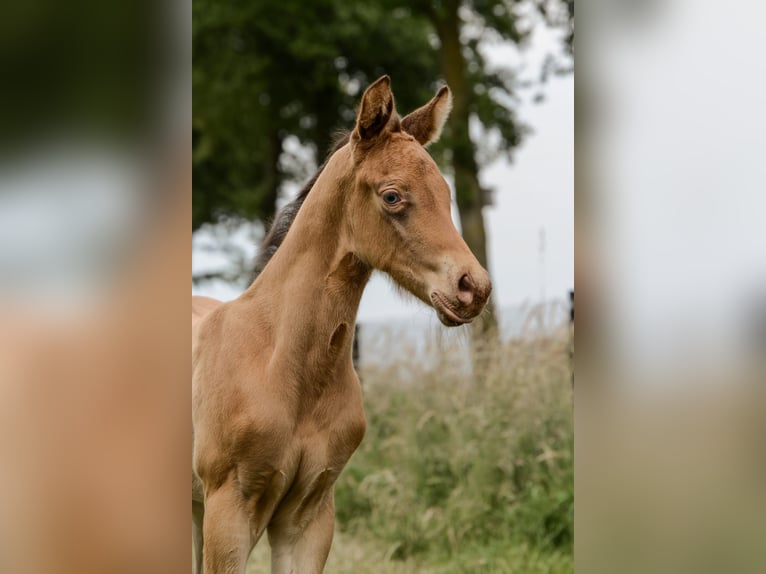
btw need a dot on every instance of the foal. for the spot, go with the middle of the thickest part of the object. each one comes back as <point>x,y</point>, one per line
<point>276,404</point>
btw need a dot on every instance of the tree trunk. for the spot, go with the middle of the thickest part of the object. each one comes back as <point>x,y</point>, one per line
<point>469,194</point>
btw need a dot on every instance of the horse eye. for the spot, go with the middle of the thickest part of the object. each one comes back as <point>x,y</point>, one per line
<point>391,198</point>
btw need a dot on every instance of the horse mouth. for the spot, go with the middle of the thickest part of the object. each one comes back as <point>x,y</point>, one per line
<point>446,312</point>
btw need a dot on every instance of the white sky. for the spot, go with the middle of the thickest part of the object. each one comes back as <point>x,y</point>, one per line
<point>680,165</point>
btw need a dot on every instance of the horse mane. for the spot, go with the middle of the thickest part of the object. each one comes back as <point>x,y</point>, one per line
<point>285,217</point>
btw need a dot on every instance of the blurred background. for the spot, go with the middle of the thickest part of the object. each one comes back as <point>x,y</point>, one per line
<point>671,281</point>
<point>455,475</point>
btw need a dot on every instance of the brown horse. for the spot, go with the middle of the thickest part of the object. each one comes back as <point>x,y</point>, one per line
<point>276,404</point>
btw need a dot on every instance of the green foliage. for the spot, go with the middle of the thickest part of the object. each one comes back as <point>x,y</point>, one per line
<point>458,467</point>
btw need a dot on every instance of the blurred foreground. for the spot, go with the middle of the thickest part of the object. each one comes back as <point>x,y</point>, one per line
<point>95,205</point>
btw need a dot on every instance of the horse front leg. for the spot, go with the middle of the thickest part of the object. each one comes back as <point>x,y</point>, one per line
<point>226,531</point>
<point>198,518</point>
<point>300,546</point>
<point>235,519</point>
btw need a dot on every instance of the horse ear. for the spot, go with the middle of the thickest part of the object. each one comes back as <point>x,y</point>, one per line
<point>425,124</point>
<point>376,109</point>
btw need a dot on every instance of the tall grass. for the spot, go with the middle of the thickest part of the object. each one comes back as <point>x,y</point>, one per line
<point>455,465</point>
<point>461,471</point>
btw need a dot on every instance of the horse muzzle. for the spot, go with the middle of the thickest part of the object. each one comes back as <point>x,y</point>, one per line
<point>466,303</point>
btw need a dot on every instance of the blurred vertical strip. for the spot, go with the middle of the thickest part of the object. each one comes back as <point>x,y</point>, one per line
<point>671,276</point>
<point>571,331</point>
<point>95,208</point>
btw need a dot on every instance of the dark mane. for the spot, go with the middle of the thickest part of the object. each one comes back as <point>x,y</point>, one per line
<point>284,219</point>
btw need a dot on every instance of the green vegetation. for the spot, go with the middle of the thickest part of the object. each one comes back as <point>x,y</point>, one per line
<point>461,473</point>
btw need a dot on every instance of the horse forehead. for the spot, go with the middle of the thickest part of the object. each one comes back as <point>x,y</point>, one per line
<point>408,159</point>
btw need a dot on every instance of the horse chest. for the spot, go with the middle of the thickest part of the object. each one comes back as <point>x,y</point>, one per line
<point>329,430</point>
<point>317,454</point>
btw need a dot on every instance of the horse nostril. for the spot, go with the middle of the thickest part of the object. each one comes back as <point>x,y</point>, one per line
<point>465,289</point>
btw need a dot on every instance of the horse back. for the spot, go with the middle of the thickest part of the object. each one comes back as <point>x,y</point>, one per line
<point>201,306</point>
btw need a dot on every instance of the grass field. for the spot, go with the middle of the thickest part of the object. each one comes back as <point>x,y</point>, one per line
<point>460,472</point>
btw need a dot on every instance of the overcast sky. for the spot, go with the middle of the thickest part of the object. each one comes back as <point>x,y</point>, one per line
<point>679,166</point>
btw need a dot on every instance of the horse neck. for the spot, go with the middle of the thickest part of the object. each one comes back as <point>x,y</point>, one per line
<point>308,295</point>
